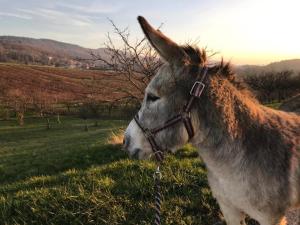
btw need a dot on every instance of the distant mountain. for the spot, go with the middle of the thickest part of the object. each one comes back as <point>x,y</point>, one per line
<point>50,52</point>
<point>44,51</point>
<point>291,64</point>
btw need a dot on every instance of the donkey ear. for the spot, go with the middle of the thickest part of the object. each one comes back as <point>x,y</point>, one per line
<point>166,48</point>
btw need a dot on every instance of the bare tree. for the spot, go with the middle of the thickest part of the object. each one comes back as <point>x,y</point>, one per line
<point>19,101</point>
<point>4,103</point>
<point>43,104</point>
<point>136,62</point>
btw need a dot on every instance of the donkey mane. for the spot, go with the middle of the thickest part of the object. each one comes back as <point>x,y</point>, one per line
<point>231,102</point>
<point>199,57</point>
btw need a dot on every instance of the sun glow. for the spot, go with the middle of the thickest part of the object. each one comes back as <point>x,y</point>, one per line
<point>243,31</point>
<point>256,32</point>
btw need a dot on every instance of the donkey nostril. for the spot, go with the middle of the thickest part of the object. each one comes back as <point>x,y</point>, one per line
<point>123,141</point>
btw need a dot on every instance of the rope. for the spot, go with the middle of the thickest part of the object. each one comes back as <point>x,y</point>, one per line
<point>158,196</point>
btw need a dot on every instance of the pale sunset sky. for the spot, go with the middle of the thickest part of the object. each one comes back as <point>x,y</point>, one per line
<point>245,32</point>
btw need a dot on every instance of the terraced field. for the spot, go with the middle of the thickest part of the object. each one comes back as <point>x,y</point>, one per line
<point>62,84</point>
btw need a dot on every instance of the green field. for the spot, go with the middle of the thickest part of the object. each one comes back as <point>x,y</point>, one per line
<point>66,175</point>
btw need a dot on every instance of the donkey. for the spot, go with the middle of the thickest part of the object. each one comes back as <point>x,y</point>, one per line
<point>252,152</point>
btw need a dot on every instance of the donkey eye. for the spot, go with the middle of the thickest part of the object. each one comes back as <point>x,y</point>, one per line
<point>151,98</point>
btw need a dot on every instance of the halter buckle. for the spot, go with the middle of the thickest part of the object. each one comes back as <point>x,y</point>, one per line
<point>197,89</point>
<point>185,115</point>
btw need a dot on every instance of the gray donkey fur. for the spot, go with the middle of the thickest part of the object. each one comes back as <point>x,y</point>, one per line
<point>252,152</point>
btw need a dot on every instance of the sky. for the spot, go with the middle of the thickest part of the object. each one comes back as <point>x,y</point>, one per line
<point>242,31</point>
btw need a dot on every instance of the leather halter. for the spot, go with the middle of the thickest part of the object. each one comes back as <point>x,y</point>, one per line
<point>184,116</point>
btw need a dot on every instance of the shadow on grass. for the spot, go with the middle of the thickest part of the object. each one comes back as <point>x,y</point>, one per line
<point>79,162</point>
<point>24,165</point>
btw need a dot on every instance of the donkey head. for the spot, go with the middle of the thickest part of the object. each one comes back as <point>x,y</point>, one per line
<point>165,96</point>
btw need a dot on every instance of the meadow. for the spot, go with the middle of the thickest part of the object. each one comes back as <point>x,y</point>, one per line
<point>66,175</point>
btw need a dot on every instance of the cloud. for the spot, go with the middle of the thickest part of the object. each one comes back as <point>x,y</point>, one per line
<point>58,17</point>
<point>92,8</point>
<point>19,16</point>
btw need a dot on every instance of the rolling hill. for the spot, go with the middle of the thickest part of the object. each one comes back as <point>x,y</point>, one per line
<point>44,52</point>
<point>291,64</point>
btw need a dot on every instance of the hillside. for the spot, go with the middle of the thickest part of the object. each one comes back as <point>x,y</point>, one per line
<point>61,84</point>
<point>44,51</point>
<point>291,64</point>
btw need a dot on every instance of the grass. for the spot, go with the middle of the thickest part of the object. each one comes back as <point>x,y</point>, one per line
<point>66,175</point>
<point>274,105</point>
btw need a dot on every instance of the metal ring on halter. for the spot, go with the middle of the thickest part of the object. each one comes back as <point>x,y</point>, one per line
<point>185,115</point>
<point>197,89</point>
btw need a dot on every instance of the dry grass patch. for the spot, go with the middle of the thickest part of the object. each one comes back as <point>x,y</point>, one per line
<point>116,137</point>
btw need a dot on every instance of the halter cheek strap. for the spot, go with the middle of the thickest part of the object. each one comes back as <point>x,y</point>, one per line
<point>185,117</point>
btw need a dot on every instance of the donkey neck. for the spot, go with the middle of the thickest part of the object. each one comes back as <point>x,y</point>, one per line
<point>225,112</point>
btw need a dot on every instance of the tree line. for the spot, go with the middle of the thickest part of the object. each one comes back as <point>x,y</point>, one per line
<point>18,105</point>
<point>274,86</point>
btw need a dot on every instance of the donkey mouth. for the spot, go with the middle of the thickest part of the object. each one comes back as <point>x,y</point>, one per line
<point>135,153</point>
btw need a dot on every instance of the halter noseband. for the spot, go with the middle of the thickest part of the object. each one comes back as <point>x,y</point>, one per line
<point>184,116</point>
